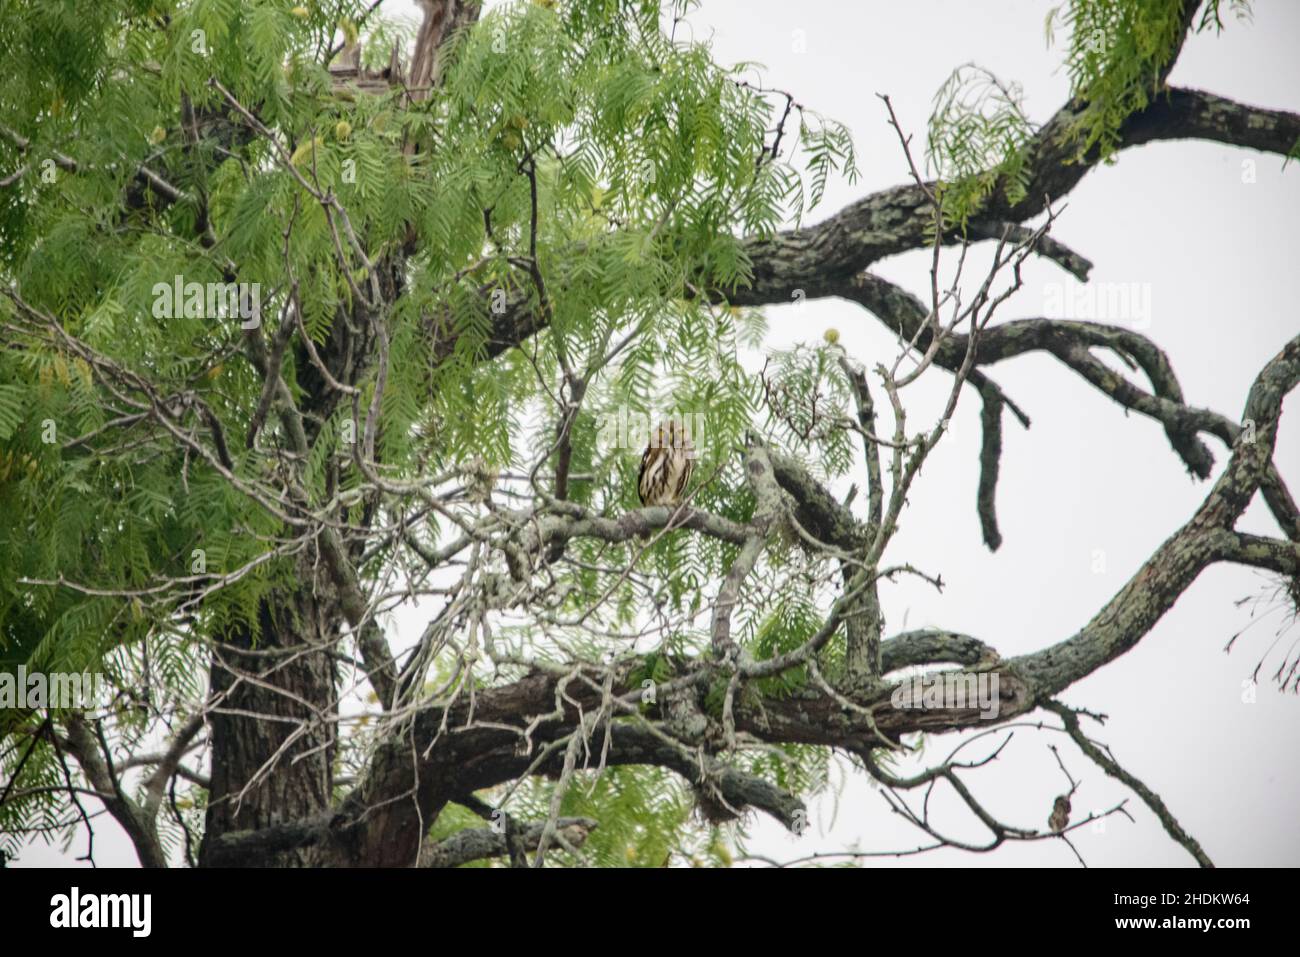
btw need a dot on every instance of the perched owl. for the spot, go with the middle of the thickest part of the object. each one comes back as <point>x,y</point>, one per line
<point>666,466</point>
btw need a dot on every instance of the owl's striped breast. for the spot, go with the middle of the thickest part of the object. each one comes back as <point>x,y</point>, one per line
<point>665,468</point>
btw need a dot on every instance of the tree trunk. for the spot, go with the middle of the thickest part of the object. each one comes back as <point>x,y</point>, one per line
<point>278,691</point>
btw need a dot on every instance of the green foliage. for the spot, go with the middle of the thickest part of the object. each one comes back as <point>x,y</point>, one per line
<point>805,399</point>
<point>1115,58</point>
<point>978,134</point>
<point>1212,14</point>
<point>645,814</point>
<point>650,165</point>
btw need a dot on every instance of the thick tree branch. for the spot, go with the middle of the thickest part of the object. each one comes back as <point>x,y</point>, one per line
<point>896,220</point>
<point>475,844</point>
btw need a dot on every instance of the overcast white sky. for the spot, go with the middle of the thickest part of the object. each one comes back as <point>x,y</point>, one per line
<point>1087,493</point>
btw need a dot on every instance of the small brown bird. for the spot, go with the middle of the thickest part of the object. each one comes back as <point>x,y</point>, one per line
<point>1060,814</point>
<point>666,465</point>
